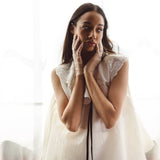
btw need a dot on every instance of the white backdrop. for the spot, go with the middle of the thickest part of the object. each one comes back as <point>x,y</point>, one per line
<point>31,40</point>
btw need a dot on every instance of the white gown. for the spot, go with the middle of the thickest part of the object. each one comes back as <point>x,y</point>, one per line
<point>127,140</point>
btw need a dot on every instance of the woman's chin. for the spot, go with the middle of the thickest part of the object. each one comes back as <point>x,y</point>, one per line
<point>90,49</point>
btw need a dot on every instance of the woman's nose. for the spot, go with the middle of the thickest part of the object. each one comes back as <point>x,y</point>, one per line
<point>92,34</point>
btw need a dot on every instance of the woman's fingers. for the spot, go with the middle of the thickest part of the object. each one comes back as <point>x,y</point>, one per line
<point>76,43</point>
<point>80,49</point>
<point>100,49</point>
<point>73,41</point>
<point>77,46</point>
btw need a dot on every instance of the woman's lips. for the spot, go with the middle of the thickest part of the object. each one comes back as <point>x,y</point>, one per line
<point>91,43</point>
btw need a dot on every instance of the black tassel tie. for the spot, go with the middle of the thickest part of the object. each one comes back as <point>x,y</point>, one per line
<point>88,130</point>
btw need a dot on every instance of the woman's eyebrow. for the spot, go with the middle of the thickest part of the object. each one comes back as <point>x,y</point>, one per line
<point>101,25</point>
<point>86,22</point>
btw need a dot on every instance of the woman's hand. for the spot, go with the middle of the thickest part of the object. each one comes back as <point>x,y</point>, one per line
<point>95,60</point>
<point>77,46</point>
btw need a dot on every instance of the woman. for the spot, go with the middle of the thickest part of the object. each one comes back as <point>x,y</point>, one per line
<point>91,115</point>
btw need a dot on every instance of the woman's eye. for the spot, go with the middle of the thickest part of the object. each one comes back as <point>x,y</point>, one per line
<point>85,27</point>
<point>99,29</point>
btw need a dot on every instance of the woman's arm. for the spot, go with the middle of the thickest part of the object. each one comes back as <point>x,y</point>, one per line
<point>109,108</point>
<point>69,110</point>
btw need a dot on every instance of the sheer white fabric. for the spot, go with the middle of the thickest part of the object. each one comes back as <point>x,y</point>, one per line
<point>127,140</point>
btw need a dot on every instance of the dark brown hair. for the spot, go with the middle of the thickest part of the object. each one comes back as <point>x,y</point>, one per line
<point>67,47</point>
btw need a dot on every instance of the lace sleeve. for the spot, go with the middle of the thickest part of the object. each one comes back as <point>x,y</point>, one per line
<point>116,64</point>
<point>65,73</point>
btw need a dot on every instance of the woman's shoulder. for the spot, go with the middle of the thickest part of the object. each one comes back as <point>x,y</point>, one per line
<point>60,69</point>
<point>112,63</point>
<point>63,72</point>
<point>60,73</point>
<point>115,57</point>
<point>63,67</point>
<point>112,60</point>
<point>53,73</point>
<point>54,77</point>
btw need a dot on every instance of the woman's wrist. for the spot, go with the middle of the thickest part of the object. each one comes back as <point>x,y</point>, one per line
<point>87,72</point>
<point>79,72</point>
<point>80,78</point>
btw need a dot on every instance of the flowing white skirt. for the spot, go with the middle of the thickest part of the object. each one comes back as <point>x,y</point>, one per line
<point>127,140</point>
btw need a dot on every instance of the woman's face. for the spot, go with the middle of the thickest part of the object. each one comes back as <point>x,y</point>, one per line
<point>89,28</point>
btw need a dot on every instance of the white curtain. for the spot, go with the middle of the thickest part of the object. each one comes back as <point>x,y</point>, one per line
<point>31,39</point>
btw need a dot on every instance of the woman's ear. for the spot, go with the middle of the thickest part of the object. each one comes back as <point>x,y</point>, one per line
<point>72,28</point>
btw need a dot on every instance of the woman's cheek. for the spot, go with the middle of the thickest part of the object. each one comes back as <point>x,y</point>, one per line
<point>100,37</point>
<point>82,35</point>
<point>99,40</point>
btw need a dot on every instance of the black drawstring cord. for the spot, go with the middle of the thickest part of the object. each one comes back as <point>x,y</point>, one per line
<point>87,143</point>
<point>91,135</point>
